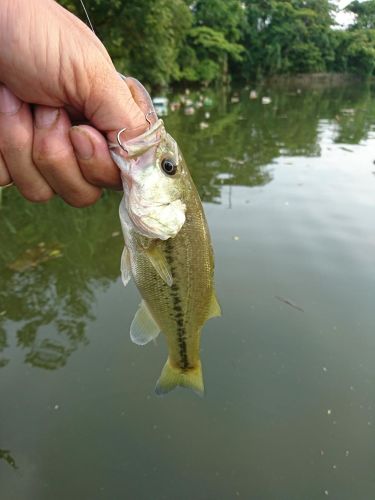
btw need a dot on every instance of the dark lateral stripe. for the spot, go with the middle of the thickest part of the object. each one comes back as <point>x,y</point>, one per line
<point>178,314</point>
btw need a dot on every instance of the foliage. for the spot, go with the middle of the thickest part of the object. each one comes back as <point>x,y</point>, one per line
<point>355,48</point>
<point>365,14</point>
<point>288,37</point>
<point>167,41</point>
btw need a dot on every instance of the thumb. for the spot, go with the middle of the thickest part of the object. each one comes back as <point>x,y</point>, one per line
<point>110,106</point>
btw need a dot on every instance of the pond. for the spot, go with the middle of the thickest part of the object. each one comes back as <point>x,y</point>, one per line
<point>289,411</point>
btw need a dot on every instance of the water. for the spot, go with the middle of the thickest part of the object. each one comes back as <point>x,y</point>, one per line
<point>289,368</point>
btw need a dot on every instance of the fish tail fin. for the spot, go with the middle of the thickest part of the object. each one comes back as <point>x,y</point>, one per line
<point>173,377</point>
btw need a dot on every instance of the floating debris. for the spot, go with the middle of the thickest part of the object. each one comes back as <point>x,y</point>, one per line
<point>189,110</point>
<point>236,238</point>
<point>346,149</point>
<point>224,176</point>
<point>289,303</point>
<point>208,101</point>
<point>203,125</point>
<point>207,115</point>
<point>175,106</point>
<point>5,455</point>
<point>35,256</point>
<point>235,99</point>
<point>115,233</point>
<point>253,94</point>
<point>161,105</point>
<point>266,100</point>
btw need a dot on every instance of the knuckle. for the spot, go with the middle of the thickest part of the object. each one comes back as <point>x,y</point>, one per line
<point>93,176</point>
<point>84,201</point>
<point>38,195</point>
<point>44,153</point>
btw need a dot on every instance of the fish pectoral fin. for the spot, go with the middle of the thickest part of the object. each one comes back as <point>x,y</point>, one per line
<point>172,377</point>
<point>143,328</point>
<point>125,266</point>
<point>158,260</point>
<point>215,309</point>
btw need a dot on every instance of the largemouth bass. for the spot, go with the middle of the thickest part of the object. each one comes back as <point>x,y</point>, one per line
<point>168,252</point>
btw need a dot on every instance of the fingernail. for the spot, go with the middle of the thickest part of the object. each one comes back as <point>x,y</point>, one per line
<point>9,103</point>
<point>45,117</point>
<point>82,144</point>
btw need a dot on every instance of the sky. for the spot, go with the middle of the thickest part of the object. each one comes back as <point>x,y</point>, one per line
<point>344,18</point>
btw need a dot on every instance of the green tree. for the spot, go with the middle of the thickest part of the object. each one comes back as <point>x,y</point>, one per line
<point>287,36</point>
<point>144,38</point>
<point>212,41</point>
<point>364,12</point>
<point>355,47</point>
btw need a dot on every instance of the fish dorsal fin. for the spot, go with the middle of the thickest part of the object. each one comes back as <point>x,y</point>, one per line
<point>215,309</point>
<point>143,328</point>
<point>158,260</point>
<point>125,266</point>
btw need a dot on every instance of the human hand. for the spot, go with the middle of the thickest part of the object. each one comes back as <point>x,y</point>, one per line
<point>51,60</point>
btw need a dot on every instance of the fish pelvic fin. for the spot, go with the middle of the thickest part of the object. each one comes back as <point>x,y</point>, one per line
<point>172,377</point>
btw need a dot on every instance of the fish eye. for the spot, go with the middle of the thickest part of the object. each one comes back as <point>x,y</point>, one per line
<point>169,166</point>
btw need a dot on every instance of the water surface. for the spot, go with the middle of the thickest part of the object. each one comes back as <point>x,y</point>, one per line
<point>289,191</point>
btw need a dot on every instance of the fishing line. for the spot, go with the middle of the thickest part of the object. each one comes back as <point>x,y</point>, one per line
<point>88,17</point>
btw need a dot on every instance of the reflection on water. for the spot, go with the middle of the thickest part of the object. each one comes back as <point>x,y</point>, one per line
<point>52,259</point>
<point>290,405</point>
<point>242,138</point>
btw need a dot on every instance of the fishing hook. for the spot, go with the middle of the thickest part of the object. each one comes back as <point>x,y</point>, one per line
<point>151,112</point>
<point>119,140</point>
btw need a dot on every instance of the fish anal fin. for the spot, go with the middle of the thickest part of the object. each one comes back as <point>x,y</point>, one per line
<point>143,328</point>
<point>160,264</point>
<point>172,377</point>
<point>214,309</point>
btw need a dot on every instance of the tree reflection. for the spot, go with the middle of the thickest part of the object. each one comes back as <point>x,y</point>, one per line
<point>243,139</point>
<point>51,302</point>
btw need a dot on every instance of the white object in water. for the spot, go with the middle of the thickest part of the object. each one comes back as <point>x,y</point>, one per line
<point>160,105</point>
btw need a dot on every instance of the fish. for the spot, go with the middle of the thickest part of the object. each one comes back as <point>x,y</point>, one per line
<point>168,252</point>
